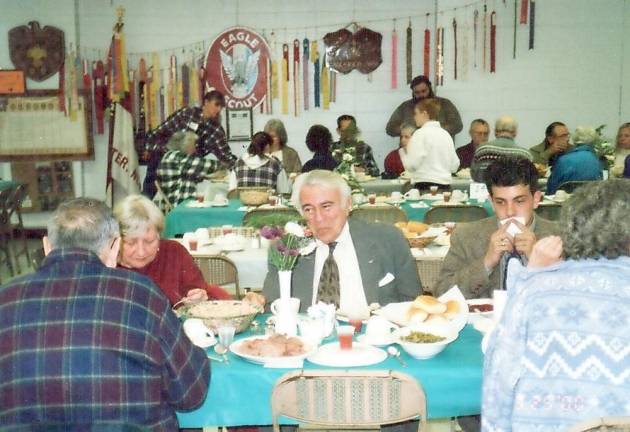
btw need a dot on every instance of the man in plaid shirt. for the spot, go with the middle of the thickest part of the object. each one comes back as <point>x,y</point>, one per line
<point>180,169</point>
<point>83,342</point>
<point>348,134</point>
<point>204,122</point>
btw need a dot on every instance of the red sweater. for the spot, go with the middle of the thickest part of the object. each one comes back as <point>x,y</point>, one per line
<point>175,272</point>
<point>393,163</point>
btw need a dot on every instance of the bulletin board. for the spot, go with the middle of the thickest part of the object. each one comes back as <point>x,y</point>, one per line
<point>33,127</point>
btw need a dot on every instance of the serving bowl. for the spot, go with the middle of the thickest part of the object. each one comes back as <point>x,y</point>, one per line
<point>425,350</point>
<point>217,313</point>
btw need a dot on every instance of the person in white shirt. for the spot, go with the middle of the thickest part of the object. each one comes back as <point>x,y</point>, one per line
<point>431,156</point>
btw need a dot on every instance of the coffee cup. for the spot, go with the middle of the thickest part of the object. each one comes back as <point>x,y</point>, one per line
<point>372,198</point>
<point>378,328</point>
<point>396,196</point>
<point>434,190</point>
<point>413,194</point>
<point>273,200</point>
<point>281,305</point>
<point>220,198</point>
<point>447,196</point>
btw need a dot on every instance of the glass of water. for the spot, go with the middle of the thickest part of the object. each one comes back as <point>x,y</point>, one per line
<point>226,334</point>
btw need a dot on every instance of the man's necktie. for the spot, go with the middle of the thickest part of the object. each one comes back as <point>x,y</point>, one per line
<point>328,288</point>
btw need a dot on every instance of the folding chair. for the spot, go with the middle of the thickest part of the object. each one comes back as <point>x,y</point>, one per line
<point>609,424</point>
<point>570,186</point>
<point>219,270</point>
<point>549,211</point>
<point>455,213</point>
<point>162,198</point>
<point>388,214</point>
<point>348,398</point>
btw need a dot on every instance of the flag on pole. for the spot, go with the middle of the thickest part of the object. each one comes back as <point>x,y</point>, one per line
<point>122,159</point>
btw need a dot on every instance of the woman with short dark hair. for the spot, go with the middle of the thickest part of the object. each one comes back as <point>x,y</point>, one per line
<point>319,140</point>
<point>257,168</point>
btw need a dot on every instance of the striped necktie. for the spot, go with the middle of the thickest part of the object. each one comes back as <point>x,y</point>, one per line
<point>328,288</point>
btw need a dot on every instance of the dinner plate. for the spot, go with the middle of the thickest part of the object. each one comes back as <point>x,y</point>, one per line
<point>197,204</point>
<point>220,203</point>
<point>360,355</point>
<point>436,197</point>
<point>237,349</point>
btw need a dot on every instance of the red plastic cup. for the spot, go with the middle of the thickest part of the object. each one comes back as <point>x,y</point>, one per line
<point>192,244</point>
<point>200,198</point>
<point>345,333</point>
<point>372,198</point>
<point>273,200</point>
<point>357,324</point>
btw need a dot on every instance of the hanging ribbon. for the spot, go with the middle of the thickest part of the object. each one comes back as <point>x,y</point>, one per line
<point>201,79</point>
<point>193,83</point>
<point>285,79</point>
<point>296,77</point>
<point>154,92</point>
<point>493,41</point>
<point>427,52</point>
<point>143,88</point>
<point>172,85</point>
<point>100,95</point>
<point>315,60</point>
<point>515,28</point>
<point>132,96</point>
<point>275,89</point>
<point>70,84</point>
<point>524,4</point>
<point>325,85</point>
<point>485,32</point>
<point>408,53</point>
<point>475,23</point>
<point>61,97</point>
<point>455,46</point>
<point>305,61</point>
<point>333,85</point>
<point>394,58</point>
<point>185,84</point>
<point>464,31</point>
<point>532,16</point>
<point>439,56</point>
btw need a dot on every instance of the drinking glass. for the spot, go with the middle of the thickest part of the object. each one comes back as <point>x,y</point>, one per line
<point>226,334</point>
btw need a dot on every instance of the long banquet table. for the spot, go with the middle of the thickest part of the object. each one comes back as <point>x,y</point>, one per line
<point>240,392</point>
<point>184,219</point>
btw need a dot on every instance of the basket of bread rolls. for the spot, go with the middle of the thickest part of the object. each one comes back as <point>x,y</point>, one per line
<point>413,231</point>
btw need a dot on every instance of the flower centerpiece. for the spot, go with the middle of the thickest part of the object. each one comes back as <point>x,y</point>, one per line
<point>346,155</point>
<point>604,148</point>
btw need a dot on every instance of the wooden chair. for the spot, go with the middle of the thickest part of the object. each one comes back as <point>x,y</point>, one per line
<point>37,257</point>
<point>388,214</point>
<point>549,211</point>
<point>455,213</point>
<point>219,270</point>
<point>20,245</point>
<point>348,398</point>
<point>13,242</point>
<point>429,272</point>
<point>570,186</point>
<point>162,199</point>
<point>6,230</point>
<point>610,424</point>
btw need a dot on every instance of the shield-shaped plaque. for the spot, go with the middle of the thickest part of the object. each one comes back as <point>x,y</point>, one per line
<point>38,52</point>
<point>346,51</point>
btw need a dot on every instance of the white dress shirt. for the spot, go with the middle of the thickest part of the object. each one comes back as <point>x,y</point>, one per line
<point>351,296</point>
<point>431,155</point>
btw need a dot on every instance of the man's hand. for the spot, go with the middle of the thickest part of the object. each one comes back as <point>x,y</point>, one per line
<point>500,242</point>
<point>524,241</point>
<point>546,252</point>
<point>195,295</point>
<point>558,147</point>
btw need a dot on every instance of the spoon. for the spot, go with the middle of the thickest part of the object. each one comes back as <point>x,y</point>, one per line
<point>221,350</point>
<point>393,351</point>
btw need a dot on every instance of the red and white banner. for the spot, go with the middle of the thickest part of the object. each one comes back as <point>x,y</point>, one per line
<point>235,65</point>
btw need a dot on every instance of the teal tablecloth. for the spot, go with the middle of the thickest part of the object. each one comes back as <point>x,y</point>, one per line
<point>240,392</point>
<point>184,219</point>
<point>6,184</point>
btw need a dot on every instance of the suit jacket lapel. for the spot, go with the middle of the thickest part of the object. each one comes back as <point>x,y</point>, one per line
<point>369,266</point>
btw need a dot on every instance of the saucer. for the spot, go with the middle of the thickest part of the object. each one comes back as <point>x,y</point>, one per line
<point>376,342</point>
<point>219,203</point>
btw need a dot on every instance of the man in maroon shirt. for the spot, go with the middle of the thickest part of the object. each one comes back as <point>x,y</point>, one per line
<point>479,131</point>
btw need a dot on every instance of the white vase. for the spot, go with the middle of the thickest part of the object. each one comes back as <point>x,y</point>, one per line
<point>286,320</point>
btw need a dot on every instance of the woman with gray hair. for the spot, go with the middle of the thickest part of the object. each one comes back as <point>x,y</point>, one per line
<point>166,262</point>
<point>279,148</point>
<point>578,164</point>
<point>395,160</point>
<point>180,169</point>
<point>560,352</point>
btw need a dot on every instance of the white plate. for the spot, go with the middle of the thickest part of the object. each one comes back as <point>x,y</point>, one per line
<point>364,339</point>
<point>360,355</point>
<point>220,203</point>
<point>197,204</point>
<point>235,347</point>
<point>436,197</point>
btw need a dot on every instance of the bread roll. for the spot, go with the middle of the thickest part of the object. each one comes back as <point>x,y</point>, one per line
<point>401,225</point>
<point>415,315</point>
<point>417,227</point>
<point>429,304</point>
<point>452,309</point>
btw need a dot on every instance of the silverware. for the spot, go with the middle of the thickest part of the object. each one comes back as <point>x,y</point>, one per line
<point>216,359</point>
<point>393,351</point>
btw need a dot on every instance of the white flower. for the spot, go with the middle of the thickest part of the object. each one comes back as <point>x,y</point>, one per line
<point>345,176</point>
<point>347,157</point>
<point>294,228</point>
<point>308,249</point>
<point>610,157</point>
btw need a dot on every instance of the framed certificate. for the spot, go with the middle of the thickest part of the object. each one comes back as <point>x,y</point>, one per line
<point>12,82</point>
<point>240,124</point>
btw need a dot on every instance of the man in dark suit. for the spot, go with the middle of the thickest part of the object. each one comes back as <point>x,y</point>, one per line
<point>374,260</point>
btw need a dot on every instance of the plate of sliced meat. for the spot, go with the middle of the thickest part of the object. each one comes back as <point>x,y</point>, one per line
<point>262,349</point>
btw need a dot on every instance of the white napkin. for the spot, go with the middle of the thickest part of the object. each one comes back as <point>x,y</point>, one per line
<point>198,333</point>
<point>418,205</point>
<point>513,229</point>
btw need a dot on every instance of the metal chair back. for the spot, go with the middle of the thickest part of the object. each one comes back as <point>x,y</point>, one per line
<point>162,198</point>
<point>388,214</point>
<point>549,211</point>
<point>344,398</point>
<point>570,186</point>
<point>609,424</point>
<point>455,213</point>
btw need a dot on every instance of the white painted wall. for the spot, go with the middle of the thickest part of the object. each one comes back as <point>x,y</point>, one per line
<point>575,74</point>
